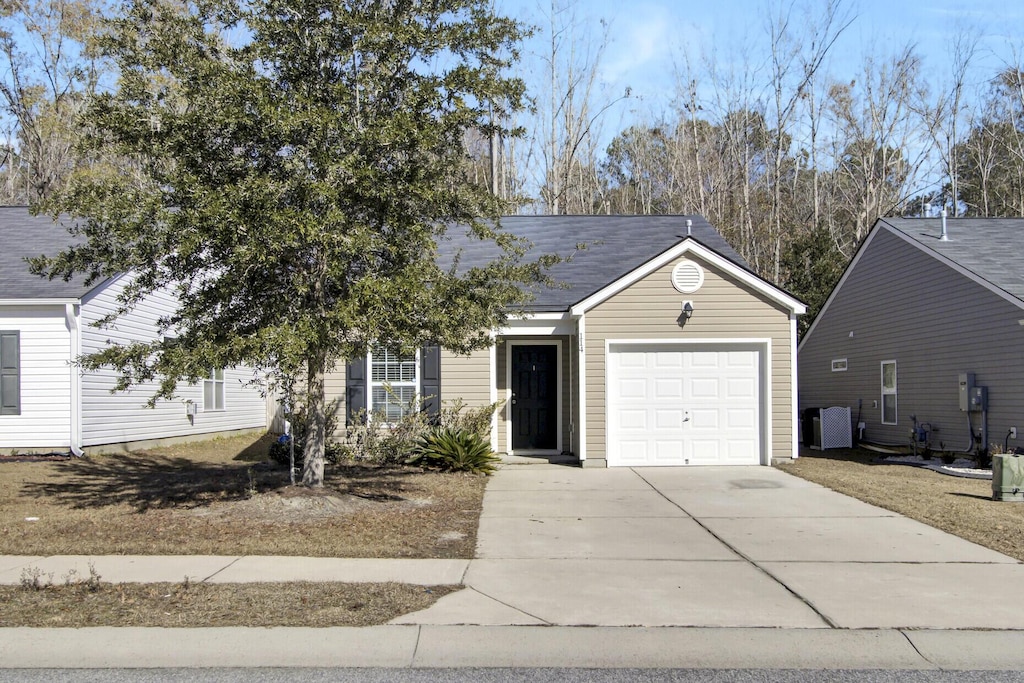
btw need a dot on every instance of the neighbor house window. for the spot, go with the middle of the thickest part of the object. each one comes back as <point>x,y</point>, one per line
<point>213,391</point>
<point>10,372</point>
<point>889,392</point>
<point>393,381</point>
<point>839,365</point>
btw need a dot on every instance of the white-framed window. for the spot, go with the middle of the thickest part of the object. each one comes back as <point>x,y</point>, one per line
<point>839,365</point>
<point>213,391</point>
<point>394,379</point>
<point>889,392</point>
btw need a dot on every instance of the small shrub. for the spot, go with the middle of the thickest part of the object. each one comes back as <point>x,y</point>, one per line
<point>34,579</point>
<point>455,415</point>
<point>455,450</point>
<point>382,442</point>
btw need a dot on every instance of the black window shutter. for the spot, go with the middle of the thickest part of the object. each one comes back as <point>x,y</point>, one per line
<point>10,373</point>
<point>355,390</point>
<point>430,380</point>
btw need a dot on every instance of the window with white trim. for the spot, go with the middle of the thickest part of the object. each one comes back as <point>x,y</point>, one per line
<point>394,379</point>
<point>839,365</point>
<point>889,392</point>
<point>213,391</point>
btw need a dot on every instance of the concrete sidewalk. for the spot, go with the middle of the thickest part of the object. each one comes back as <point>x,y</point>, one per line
<point>510,646</point>
<point>693,568</point>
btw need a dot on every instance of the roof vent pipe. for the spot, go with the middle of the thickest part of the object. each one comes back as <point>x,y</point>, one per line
<point>689,224</point>
<point>944,237</point>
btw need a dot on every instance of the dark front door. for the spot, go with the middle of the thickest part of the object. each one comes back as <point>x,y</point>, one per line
<point>534,397</point>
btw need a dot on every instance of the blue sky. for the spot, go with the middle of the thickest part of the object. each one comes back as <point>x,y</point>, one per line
<point>649,37</point>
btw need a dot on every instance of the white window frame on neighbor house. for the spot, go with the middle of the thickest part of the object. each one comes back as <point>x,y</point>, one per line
<point>889,393</point>
<point>839,365</point>
<point>213,388</point>
<point>379,383</point>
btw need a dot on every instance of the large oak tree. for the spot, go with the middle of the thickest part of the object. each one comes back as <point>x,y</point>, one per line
<point>299,161</point>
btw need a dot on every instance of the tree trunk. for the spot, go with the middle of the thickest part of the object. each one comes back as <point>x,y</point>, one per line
<point>316,436</point>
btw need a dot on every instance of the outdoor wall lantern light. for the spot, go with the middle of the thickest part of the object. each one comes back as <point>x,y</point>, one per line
<point>687,312</point>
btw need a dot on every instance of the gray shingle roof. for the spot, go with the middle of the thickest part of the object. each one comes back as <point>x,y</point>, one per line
<point>21,236</point>
<point>991,248</point>
<point>615,246</point>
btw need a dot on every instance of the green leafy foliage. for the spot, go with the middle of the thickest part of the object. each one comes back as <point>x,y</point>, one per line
<point>455,450</point>
<point>379,441</point>
<point>297,163</point>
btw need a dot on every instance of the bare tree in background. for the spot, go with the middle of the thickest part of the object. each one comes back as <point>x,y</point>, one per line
<point>50,67</point>
<point>565,140</point>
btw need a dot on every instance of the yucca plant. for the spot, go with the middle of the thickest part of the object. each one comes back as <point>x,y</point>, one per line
<point>456,450</point>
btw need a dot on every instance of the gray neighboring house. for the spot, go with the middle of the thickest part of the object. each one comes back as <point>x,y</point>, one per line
<point>911,313</point>
<point>608,368</point>
<point>46,403</point>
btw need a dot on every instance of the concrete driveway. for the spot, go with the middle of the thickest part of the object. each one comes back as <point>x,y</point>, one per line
<point>716,547</point>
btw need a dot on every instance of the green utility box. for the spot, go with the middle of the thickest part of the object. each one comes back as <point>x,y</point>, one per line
<point>1008,477</point>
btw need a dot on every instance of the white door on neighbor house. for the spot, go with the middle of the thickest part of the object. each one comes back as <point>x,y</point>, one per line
<point>675,405</point>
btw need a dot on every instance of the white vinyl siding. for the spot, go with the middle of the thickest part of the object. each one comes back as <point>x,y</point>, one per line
<point>122,417</point>
<point>44,420</point>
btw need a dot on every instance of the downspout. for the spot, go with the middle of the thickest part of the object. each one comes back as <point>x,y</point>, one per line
<point>581,366</point>
<point>572,389</point>
<point>75,333</point>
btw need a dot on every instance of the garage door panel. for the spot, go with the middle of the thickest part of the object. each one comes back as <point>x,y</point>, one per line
<point>740,359</point>
<point>704,388</point>
<point>673,406</point>
<point>633,419</point>
<point>668,389</point>
<point>634,451</point>
<point>632,388</point>
<point>669,419</point>
<point>667,360</point>
<point>668,452</point>
<point>703,359</point>
<point>740,419</point>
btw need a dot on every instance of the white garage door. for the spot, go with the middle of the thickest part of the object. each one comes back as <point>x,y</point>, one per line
<point>672,405</point>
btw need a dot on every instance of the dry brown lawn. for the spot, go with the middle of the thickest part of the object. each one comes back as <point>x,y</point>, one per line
<point>198,605</point>
<point>223,497</point>
<point>963,507</point>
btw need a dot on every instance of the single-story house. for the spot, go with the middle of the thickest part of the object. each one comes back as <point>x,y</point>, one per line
<point>927,309</point>
<point>661,348</point>
<point>47,403</point>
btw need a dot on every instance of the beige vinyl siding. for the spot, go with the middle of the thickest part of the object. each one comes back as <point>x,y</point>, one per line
<point>334,390</point>
<point>724,308</point>
<point>123,417</point>
<point>466,377</point>
<point>570,397</point>
<point>900,303</point>
<point>45,354</point>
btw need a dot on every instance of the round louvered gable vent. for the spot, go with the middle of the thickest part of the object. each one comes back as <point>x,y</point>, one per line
<point>687,277</point>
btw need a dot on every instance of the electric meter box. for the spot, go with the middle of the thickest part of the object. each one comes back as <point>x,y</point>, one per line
<point>966,386</point>
<point>979,399</point>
